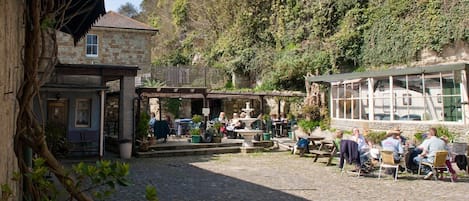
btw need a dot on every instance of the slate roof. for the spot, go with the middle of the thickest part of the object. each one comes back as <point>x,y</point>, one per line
<point>115,20</point>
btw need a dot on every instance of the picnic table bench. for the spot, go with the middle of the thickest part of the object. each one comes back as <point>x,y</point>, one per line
<point>327,149</point>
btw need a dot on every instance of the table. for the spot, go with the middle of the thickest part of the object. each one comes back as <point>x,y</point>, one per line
<point>312,139</point>
<point>279,126</point>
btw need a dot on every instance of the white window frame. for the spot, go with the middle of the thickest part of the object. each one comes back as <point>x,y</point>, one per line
<point>83,105</point>
<point>92,45</point>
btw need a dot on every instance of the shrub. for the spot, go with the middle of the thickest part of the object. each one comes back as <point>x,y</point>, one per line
<point>376,137</point>
<point>308,125</point>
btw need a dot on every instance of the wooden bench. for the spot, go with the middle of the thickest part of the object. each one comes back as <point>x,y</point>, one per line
<point>326,149</point>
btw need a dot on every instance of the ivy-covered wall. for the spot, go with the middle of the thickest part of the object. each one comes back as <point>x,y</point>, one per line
<point>280,41</point>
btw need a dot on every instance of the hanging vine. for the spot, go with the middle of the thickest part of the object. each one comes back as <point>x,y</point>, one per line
<point>42,19</point>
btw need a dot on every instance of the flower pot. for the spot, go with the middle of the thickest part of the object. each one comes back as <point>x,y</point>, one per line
<point>266,136</point>
<point>195,138</point>
<point>125,149</point>
<point>216,139</point>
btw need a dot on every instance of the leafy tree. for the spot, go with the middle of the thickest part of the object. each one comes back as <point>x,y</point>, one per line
<point>129,10</point>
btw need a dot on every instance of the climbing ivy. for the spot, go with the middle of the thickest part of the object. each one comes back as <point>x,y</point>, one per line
<point>280,41</point>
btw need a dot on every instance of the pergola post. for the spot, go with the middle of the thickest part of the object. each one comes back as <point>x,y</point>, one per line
<point>126,113</point>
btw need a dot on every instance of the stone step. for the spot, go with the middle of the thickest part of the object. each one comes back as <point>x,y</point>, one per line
<point>186,152</point>
<point>161,147</point>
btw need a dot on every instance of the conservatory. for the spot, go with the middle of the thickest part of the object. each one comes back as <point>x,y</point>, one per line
<point>413,97</point>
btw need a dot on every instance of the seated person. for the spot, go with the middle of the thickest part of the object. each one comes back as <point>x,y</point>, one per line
<point>363,145</point>
<point>222,118</point>
<point>234,123</point>
<point>392,143</point>
<point>429,147</point>
<point>338,137</point>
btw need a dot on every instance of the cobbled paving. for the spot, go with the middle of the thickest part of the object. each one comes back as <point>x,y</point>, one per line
<point>273,176</point>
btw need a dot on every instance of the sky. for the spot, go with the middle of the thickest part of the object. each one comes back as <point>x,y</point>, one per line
<point>115,4</point>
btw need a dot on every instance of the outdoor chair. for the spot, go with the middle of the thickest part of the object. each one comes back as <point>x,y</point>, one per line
<point>387,161</point>
<point>438,163</point>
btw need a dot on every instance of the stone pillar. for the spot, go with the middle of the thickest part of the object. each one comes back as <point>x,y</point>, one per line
<point>126,113</point>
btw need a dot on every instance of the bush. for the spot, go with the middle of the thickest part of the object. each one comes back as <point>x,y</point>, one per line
<point>443,131</point>
<point>376,137</point>
<point>308,125</point>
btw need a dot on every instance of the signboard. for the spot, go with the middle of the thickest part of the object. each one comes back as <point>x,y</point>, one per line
<point>206,111</point>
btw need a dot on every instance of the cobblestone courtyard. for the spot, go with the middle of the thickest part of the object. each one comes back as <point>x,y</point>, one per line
<point>273,176</point>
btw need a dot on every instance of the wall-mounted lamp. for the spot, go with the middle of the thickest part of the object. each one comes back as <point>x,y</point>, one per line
<point>58,95</point>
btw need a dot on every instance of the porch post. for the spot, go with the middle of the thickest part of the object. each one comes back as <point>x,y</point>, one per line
<point>464,98</point>
<point>371,100</point>
<point>126,114</point>
<point>101,126</point>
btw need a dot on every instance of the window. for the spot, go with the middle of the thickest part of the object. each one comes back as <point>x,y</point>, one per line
<point>91,45</point>
<point>83,113</point>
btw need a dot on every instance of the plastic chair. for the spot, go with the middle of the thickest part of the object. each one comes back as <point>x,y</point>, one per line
<point>387,161</point>
<point>438,163</point>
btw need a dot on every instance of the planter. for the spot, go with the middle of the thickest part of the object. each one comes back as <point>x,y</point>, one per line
<point>195,138</point>
<point>266,136</point>
<point>290,135</point>
<point>125,149</point>
<point>216,139</point>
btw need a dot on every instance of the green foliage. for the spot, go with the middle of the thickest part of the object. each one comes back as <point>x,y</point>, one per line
<point>105,174</point>
<point>172,105</point>
<point>142,126</point>
<point>150,193</point>
<point>6,192</point>
<point>180,9</point>
<point>312,112</point>
<point>197,118</point>
<point>280,41</point>
<point>194,131</point>
<point>443,131</point>
<point>376,137</point>
<point>153,83</point>
<point>308,125</point>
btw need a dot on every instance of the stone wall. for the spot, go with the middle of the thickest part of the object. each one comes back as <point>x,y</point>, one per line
<point>11,70</point>
<point>115,46</point>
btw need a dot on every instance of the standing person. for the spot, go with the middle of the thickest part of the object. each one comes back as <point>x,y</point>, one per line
<point>429,147</point>
<point>151,122</point>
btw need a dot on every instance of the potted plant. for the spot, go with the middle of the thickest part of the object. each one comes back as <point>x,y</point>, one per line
<point>143,132</point>
<point>195,134</point>
<point>125,148</point>
<point>216,132</point>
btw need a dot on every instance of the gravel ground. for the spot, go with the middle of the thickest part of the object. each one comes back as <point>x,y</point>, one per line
<point>273,176</point>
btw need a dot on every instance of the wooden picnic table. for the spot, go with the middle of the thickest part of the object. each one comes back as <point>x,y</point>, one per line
<point>312,139</point>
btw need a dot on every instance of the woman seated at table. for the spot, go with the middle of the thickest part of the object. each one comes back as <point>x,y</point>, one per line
<point>234,123</point>
<point>363,145</point>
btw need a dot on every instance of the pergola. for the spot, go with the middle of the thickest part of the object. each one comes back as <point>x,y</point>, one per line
<point>205,94</point>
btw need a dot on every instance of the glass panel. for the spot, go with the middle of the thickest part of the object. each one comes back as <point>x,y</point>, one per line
<point>451,98</point>
<point>381,97</point>
<point>83,113</point>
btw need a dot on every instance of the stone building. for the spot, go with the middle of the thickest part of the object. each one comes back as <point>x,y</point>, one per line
<point>107,59</point>
<point>114,39</point>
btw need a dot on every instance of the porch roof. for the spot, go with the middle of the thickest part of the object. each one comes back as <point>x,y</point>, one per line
<point>107,71</point>
<point>388,72</point>
<point>201,92</point>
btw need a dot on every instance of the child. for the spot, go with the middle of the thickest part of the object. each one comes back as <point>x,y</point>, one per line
<point>448,162</point>
<point>338,137</point>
